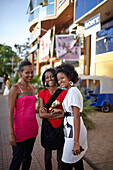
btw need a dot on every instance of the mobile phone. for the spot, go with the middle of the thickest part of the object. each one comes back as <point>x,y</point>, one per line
<point>81,148</point>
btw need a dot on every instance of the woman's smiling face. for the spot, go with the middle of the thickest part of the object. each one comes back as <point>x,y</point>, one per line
<point>50,79</point>
<point>27,74</point>
<point>63,80</point>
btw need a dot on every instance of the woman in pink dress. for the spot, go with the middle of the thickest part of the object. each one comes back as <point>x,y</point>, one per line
<point>23,126</point>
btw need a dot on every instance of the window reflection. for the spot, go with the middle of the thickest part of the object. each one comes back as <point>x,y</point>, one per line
<point>104,41</point>
<point>84,6</point>
<point>41,8</point>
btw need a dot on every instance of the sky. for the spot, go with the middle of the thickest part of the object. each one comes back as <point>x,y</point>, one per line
<point>14,25</point>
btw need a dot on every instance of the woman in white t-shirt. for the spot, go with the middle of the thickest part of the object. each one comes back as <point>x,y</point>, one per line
<point>75,133</point>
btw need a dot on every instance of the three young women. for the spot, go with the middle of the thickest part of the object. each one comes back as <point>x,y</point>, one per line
<point>23,126</point>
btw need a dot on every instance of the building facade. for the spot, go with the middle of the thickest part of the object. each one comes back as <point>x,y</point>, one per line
<point>69,16</point>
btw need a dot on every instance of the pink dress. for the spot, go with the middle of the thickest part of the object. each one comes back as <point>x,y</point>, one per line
<point>25,122</point>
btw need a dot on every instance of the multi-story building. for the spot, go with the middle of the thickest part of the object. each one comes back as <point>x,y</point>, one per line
<point>70,16</point>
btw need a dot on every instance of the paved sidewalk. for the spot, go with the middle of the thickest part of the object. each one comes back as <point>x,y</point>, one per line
<point>100,141</point>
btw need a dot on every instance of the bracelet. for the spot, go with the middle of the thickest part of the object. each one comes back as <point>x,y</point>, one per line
<point>76,142</point>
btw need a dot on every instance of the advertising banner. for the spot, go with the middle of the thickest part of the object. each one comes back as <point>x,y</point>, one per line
<point>68,47</point>
<point>92,25</point>
<point>36,32</point>
<point>44,47</point>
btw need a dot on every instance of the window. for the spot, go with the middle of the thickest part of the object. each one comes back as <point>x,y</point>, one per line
<point>104,42</point>
<point>84,6</point>
<point>42,8</point>
<point>90,4</point>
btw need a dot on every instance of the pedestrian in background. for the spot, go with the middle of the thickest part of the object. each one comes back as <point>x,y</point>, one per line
<point>7,87</point>
<point>75,132</point>
<point>1,82</point>
<point>23,126</point>
<point>52,137</point>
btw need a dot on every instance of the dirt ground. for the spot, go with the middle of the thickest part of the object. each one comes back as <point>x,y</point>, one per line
<point>100,141</point>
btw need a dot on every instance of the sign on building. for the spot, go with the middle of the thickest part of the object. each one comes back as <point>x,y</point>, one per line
<point>36,32</point>
<point>44,47</point>
<point>92,25</point>
<point>68,47</point>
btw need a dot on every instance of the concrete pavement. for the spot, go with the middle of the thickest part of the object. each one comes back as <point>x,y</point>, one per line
<point>100,142</point>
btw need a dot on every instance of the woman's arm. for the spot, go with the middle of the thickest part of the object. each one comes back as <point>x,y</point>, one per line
<point>12,99</point>
<point>58,113</point>
<point>76,112</point>
<point>49,115</point>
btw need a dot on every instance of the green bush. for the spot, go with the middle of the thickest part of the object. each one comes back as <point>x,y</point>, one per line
<point>14,80</point>
<point>87,110</point>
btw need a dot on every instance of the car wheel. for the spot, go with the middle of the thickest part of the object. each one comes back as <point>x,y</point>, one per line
<point>106,108</point>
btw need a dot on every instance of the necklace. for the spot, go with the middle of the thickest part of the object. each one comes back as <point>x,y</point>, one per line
<point>25,86</point>
<point>51,92</point>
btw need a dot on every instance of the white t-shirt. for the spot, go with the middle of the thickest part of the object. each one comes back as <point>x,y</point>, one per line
<point>73,98</point>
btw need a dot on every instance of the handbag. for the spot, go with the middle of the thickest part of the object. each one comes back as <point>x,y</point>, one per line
<point>52,138</point>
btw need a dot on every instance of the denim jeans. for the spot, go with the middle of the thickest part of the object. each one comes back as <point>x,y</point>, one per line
<point>48,156</point>
<point>22,154</point>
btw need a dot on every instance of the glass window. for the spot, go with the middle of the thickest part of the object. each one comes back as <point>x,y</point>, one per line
<point>109,43</point>
<point>104,45</point>
<point>83,6</point>
<point>101,33</point>
<point>50,9</point>
<point>36,13</point>
<point>100,1</point>
<point>50,1</point>
<point>79,9</point>
<point>90,4</point>
<point>100,46</point>
<point>42,12</point>
<point>31,17</point>
<point>38,2</point>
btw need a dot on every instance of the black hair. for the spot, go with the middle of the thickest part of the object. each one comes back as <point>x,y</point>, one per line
<point>26,62</point>
<point>69,71</point>
<point>52,70</point>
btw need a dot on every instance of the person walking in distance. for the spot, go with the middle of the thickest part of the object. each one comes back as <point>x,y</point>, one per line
<point>23,126</point>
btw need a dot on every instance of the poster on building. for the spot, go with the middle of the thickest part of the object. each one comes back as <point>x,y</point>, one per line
<point>36,32</point>
<point>44,47</point>
<point>68,47</point>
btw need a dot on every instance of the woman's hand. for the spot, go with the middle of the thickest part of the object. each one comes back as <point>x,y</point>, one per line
<point>12,140</point>
<point>53,111</point>
<point>76,148</point>
<point>43,110</point>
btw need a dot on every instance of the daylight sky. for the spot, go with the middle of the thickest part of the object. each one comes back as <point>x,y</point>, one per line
<point>14,25</point>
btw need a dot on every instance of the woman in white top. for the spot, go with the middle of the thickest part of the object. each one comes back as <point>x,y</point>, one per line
<point>75,133</point>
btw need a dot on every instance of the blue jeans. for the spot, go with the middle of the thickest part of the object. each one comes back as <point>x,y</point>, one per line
<point>22,154</point>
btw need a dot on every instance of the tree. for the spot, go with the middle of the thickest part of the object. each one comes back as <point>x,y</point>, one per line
<point>8,59</point>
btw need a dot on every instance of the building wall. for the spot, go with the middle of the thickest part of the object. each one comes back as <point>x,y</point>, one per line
<point>104,64</point>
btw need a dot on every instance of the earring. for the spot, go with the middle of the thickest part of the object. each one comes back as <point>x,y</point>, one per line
<point>71,83</point>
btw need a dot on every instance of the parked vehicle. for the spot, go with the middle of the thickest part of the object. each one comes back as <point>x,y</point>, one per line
<point>98,88</point>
